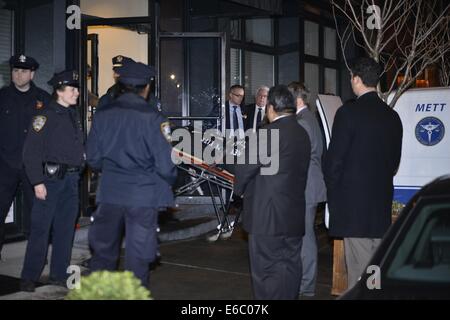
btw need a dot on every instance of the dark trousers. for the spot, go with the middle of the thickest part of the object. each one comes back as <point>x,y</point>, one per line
<point>105,237</point>
<point>10,179</point>
<point>274,264</point>
<point>309,252</point>
<point>56,214</point>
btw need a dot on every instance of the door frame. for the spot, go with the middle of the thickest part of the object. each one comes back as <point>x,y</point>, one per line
<point>86,22</point>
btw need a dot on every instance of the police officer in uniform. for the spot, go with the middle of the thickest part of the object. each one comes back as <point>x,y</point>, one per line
<point>18,104</point>
<point>113,91</point>
<point>54,156</point>
<point>129,144</point>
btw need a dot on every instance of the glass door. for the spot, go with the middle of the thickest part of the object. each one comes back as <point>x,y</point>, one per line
<point>191,80</point>
<point>191,86</point>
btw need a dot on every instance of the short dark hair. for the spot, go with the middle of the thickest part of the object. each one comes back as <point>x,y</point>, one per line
<point>236,86</point>
<point>281,99</point>
<point>299,90</point>
<point>123,88</point>
<point>60,87</point>
<point>367,69</point>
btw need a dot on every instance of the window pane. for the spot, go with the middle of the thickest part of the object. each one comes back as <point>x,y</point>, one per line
<point>312,79</point>
<point>258,72</point>
<point>288,31</point>
<point>235,29</point>
<point>259,31</point>
<point>311,38</point>
<point>172,77</point>
<point>330,81</point>
<point>288,68</point>
<point>204,72</point>
<point>235,66</point>
<point>6,40</point>
<point>424,253</point>
<point>329,43</point>
<point>171,15</point>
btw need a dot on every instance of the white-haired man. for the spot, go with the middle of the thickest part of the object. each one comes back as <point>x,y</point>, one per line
<point>256,111</point>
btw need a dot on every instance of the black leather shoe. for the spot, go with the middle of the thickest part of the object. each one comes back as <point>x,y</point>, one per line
<point>27,285</point>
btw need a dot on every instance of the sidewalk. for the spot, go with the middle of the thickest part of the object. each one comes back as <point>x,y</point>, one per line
<point>191,268</point>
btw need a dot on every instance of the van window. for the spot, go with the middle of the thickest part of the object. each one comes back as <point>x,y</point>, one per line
<point>424,252</point>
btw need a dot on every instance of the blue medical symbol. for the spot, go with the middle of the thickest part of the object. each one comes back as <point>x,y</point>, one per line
<point>430,131</point>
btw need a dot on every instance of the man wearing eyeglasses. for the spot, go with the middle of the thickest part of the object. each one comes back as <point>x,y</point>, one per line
<point>234,117</point>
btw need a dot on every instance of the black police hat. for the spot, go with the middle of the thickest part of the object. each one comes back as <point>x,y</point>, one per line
<point>65,78</point>
<point>119,61</point>
<point>22,61</point>
<point>136,73</point>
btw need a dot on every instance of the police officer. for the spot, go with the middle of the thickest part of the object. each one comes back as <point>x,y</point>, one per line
<point>113,91</point>
<point>128,143</point>
<point>18,104</point>
<point>53,156</point>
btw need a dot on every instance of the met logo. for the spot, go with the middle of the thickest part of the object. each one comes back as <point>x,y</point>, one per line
<point>430,107</point>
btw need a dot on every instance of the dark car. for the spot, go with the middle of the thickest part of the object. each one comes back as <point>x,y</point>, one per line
<point>413,259</point>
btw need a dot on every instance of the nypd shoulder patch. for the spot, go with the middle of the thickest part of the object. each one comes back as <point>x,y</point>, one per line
<point>166,131</point>
<point>39,123</point>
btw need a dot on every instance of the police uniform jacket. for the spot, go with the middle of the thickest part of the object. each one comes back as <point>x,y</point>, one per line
<point>360,165</point>
<point>127,144</point>
<point>108,97</point>
<point>55,135</point>
<point>112,92</point>
<point>16,111</point>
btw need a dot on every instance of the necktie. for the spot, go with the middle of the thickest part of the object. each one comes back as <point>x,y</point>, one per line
<point>258,117</point>
<point>235,119</point>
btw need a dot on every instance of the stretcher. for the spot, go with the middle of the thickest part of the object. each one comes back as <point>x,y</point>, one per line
<point>217,180</point>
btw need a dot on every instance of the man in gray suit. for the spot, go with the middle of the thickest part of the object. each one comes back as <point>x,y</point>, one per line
<point>315,188</point>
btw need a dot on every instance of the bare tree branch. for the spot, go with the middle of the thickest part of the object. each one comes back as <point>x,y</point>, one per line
<point>412,35</point>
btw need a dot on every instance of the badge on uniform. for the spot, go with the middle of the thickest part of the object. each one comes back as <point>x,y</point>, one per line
<point>39,104</point>
<point>166,131</point>
<point>39,123</point>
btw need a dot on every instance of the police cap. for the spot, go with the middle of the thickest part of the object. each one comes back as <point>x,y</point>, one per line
<point>22,61</point>
<point>136,73</point>
<point>118,61</point>
<point>65,78</point>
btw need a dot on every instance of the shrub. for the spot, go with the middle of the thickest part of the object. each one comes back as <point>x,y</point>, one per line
<point>107,285</point>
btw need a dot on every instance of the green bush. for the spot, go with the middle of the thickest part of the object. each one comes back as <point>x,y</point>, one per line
<point>107,285</point>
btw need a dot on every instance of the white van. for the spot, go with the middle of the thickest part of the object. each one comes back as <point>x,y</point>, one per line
<point>425,115</point>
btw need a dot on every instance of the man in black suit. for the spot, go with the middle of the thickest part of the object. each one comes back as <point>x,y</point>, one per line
<point>235,126</point>
<point>234,116</point>
<point>362,159</point>
<point>255,112</point>
<point>274,205</point>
